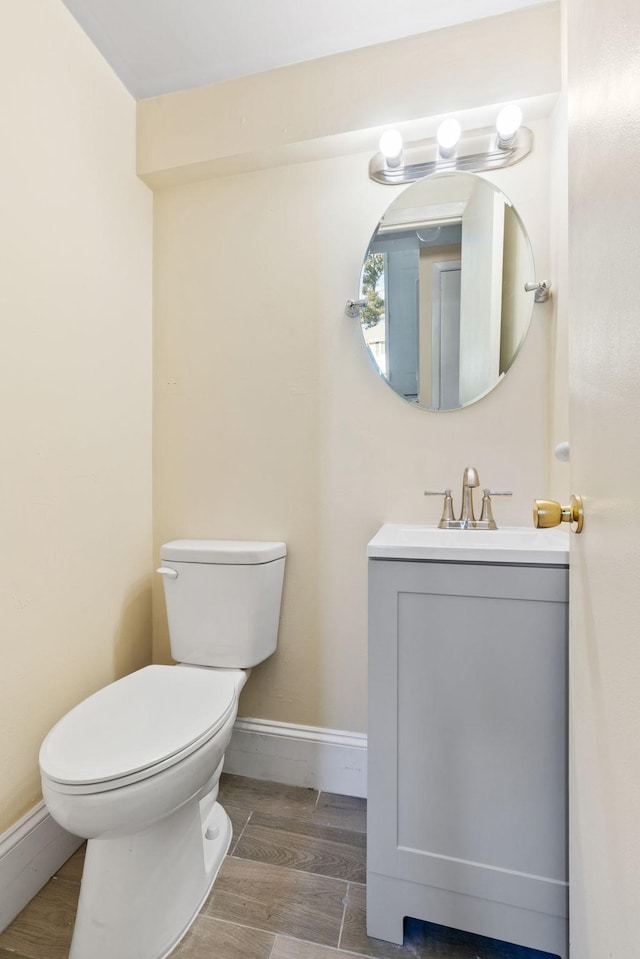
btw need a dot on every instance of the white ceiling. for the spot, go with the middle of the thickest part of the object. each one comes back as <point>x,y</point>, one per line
<point>160,46</point>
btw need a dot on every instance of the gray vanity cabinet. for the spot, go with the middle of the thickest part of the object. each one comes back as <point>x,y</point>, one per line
<point>467,743</point>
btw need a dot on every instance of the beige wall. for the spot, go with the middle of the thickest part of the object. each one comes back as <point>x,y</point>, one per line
<point>559,426</point>
<point>270,421</point>
<point>333,104</point>
<point>75,249</point>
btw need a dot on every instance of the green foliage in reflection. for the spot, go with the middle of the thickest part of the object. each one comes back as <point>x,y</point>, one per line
<point>372,273</point>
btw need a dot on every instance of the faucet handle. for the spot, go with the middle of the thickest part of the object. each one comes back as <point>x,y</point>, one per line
<point>447,509</point>
<point>486,514</point>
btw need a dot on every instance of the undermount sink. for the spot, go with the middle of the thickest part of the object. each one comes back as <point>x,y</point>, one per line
<point>515,544</point>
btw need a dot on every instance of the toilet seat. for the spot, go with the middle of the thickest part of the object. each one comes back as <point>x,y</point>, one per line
<point>137,727</point>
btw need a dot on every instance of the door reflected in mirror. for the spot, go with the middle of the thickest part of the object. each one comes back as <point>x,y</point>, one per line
<point>445,311</point>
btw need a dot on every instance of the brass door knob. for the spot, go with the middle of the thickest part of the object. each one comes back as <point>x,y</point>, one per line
<point>546,513</point>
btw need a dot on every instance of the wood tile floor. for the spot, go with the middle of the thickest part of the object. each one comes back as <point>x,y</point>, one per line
<point>292,887</point>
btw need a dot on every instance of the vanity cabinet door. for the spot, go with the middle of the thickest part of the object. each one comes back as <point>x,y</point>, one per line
<point>467,740</point>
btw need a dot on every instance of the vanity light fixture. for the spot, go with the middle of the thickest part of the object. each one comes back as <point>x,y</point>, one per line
<point>473,151</point>
<point>391,148</point>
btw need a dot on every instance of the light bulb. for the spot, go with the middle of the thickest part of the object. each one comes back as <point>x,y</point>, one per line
<point>508,124</point>
<point>448,134</point>
<point>391,147</point>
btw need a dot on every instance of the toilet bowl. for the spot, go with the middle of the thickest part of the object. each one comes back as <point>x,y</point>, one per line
<point>135,767</point>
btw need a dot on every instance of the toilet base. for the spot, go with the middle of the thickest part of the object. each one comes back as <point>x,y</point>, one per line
<point>141,893</point>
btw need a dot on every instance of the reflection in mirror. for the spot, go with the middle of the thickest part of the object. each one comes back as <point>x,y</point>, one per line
<point>445,309</point>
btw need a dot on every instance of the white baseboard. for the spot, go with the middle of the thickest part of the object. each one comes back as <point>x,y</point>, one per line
<point>31,851</point>
<point>325,759</point>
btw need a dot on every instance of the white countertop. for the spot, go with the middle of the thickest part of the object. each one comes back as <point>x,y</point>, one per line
<point>515,544</point>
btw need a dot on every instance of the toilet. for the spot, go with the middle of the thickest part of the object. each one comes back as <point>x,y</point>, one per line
<point>135,767</point>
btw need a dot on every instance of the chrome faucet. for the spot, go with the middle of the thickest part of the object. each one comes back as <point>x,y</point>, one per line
<point>467,520</point>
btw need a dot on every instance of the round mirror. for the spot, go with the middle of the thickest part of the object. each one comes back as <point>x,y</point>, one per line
<point>445,310</point>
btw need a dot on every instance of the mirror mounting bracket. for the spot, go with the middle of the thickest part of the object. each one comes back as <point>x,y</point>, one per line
<point>541,290</point>
<point>353,307</point>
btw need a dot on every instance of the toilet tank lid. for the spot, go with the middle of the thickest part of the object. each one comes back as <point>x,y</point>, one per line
<point>228,551</point>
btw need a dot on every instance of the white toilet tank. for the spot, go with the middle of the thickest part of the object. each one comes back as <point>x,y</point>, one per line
<point>223,600</point>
